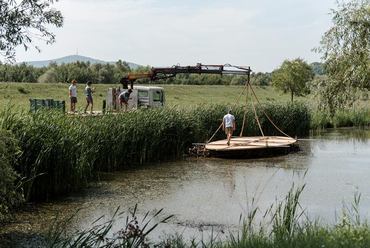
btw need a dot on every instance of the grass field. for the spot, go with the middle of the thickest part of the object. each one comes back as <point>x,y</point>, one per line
<point>19,94</point>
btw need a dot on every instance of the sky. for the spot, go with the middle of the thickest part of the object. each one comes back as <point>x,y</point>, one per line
<point>260,34</point>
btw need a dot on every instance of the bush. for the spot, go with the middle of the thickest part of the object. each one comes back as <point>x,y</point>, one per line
<point>342,118</point>
<point>320,120</point>
<point>49,76</point>
<point>22,90</point>
<point>349,118</point>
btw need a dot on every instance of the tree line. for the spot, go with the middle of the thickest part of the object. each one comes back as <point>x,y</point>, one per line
<point>80,71</point>
<point>110,73</point>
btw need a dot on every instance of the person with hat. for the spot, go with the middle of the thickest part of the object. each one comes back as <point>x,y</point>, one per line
<point>228,125</point>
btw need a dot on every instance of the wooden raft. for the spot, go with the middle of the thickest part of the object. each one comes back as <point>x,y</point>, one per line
<point>257,146</point>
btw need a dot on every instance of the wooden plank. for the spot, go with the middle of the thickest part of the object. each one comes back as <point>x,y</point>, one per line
<point>247,143</point>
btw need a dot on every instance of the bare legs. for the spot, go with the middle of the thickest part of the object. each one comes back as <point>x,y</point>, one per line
<point>87,105</point>
<point>73,106</point>
<point>229,134</point>
<point>88,102</point>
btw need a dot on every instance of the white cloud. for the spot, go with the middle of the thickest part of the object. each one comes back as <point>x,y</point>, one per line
<point>261,34</point>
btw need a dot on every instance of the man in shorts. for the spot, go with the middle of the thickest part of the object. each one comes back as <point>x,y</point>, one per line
<point>124,97</point>
<point>228,125</point>
<point>89,98</point>
<point>73,95</point>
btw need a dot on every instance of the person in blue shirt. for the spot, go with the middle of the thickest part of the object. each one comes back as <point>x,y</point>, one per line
<point>228,125</point>
<point>89,98</point>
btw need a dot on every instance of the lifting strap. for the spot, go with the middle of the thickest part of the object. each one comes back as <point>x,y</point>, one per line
<point>245,113</point>
<point>248,87</point>
<point>268,117</point>
<point>256,116</point>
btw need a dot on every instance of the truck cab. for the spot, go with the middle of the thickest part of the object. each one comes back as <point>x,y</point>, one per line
<point>141,97</point>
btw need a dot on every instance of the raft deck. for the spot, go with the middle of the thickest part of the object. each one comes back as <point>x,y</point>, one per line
<point>257,146</point>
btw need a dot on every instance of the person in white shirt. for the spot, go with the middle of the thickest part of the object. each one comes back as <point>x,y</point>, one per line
<point>73,95</point>
<point>228,125</point>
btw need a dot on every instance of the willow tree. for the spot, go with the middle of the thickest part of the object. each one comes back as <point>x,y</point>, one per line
<point>293,77</point>
<point>345,48</point>
<point>23,21</point>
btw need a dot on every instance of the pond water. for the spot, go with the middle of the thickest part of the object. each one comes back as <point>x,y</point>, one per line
<point>210,194</point>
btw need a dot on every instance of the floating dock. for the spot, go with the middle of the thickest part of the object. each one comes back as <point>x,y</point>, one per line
<point>251,147</point>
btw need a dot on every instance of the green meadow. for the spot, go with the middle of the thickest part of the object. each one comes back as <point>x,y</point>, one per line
<point>18,94</point>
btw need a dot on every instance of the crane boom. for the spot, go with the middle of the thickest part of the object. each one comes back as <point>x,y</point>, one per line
<point>157,73</point>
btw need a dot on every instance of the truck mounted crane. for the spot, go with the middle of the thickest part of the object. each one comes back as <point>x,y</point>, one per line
<point>157,73</point>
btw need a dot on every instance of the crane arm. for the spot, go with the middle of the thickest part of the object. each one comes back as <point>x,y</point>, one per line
<point>157,73</point>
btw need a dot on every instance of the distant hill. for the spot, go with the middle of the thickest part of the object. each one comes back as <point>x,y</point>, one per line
<point>72,59</point>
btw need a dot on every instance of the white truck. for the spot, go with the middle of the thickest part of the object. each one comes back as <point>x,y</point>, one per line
<point>141,97</point>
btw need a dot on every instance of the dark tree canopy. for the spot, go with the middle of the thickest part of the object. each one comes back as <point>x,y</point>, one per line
<point>23,21</point>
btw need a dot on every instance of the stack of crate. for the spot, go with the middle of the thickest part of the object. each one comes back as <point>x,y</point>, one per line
<point>36,104</point>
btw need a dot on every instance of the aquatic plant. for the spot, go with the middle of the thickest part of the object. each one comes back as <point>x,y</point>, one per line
<point>134,234</point>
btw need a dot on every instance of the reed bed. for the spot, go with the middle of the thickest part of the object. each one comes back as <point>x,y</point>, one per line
<point>292,119</point>
<point>342,118</point>
<point>62,153</point>
<point>10,193</point>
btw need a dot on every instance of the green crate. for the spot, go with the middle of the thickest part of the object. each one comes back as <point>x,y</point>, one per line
<point>36,104</point>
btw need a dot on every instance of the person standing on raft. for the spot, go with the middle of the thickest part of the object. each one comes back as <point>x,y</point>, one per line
<point>228,125</point>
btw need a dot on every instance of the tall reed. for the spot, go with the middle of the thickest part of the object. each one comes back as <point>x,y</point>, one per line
<point>342,118</point>
<point>62,153</point>
<point>10,193</point>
